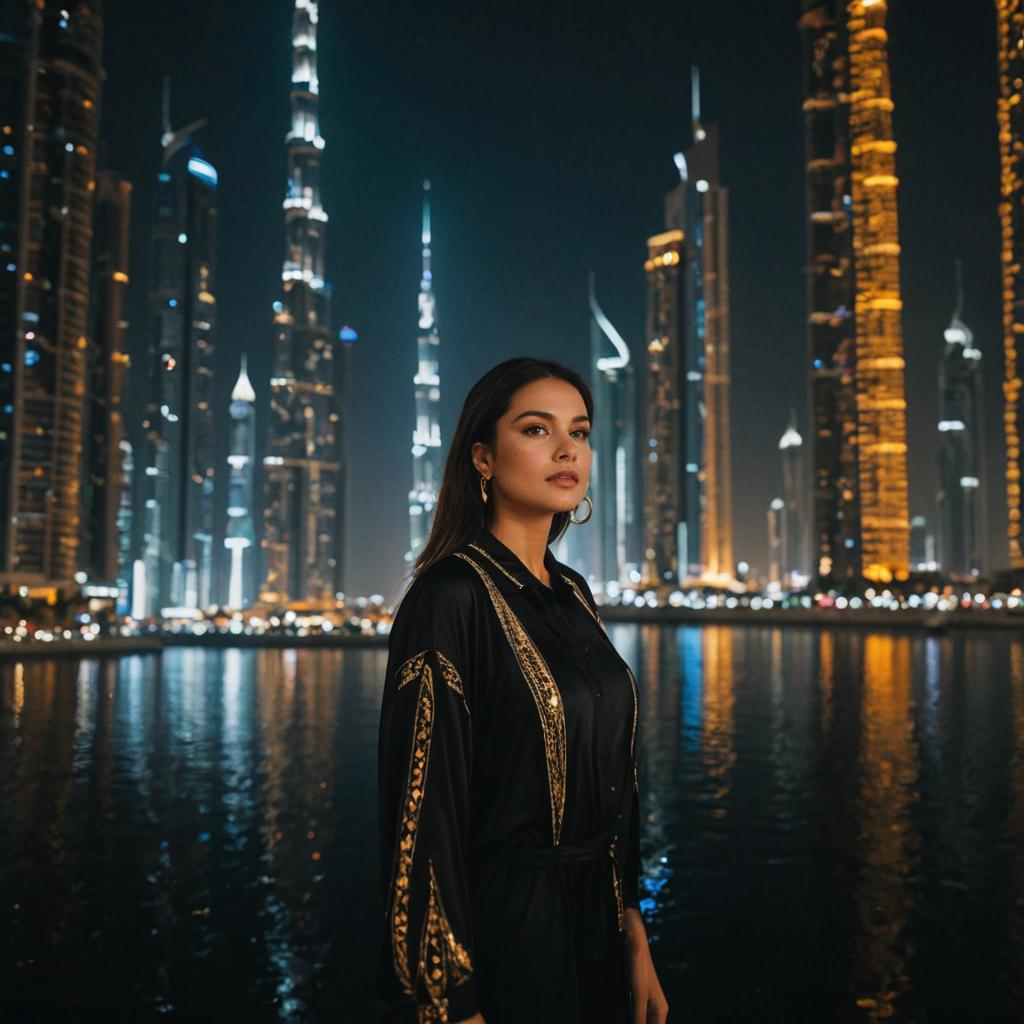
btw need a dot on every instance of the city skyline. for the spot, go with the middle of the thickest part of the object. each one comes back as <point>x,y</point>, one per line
<point>469,353</point>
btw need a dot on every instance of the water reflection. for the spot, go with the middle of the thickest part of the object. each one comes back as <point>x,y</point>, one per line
<point>1013,970</point>
<point>887,841</point>
<point>833,829</point>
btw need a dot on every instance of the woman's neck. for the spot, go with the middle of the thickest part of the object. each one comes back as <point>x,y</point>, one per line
<point>527,539</point>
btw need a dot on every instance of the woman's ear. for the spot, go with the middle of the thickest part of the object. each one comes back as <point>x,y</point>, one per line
<point>481,458</point>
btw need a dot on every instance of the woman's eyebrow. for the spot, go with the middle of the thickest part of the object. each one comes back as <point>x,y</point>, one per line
<point>546,415</point>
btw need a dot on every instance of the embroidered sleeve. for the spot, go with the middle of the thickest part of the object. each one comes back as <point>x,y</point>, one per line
<point>425,763</point>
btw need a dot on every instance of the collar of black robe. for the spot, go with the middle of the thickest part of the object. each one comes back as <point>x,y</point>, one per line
<point>506,563</point>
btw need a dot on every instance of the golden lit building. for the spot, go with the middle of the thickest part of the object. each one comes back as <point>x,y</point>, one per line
<point>1010,28</point>
<point>664,529</point>
<point>856,339</point>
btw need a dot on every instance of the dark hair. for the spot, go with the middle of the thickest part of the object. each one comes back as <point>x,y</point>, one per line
<point>460,510</point>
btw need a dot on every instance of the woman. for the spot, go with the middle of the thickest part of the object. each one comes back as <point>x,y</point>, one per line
<point>509,816</point>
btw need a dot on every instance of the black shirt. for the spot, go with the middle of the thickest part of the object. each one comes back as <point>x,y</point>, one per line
<point>507,785</point>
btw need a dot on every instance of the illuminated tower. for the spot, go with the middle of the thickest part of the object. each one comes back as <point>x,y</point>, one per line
<point>613,470</point>
<point>49,112</point>
<point>835,520</point>
<point>860,514</point>
<point>239,535</point>
<point>179,415</point>
<point>878,306</point>
<point>959,448</point>
<point>688,493</point>
<point>665,466</point>
<point>1010,28</point>
<point>426,437</point>
<point>302,520</point>
<point>791,513</point>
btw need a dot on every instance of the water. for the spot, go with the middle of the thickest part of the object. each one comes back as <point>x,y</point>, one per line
<point>834,829</point>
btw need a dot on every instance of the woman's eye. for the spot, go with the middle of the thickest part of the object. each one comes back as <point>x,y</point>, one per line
<point>583,432</point>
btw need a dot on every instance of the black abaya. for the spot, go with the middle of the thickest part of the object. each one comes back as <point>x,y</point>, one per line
<point>509,821</point>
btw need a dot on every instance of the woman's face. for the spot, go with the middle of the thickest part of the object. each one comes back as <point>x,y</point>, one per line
<point>540,444</point>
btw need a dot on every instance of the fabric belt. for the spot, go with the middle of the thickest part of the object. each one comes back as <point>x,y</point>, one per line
<point>554,856</point>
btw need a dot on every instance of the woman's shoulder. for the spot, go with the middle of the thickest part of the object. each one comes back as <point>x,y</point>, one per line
<point>450,580</point>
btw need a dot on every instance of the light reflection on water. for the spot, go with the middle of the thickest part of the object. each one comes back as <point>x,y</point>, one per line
<point>833,829</point>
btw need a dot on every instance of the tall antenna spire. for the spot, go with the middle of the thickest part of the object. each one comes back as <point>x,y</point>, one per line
<point>165,136</point>
<point>425,236</point>
<point>698,131</point>
<point>959,266</point>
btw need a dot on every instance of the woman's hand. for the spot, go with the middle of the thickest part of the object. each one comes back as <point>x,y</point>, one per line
<point>649,1003</point>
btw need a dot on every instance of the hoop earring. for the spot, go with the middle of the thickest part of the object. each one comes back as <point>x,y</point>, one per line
<point>483,489</point>
<point>590,512</point>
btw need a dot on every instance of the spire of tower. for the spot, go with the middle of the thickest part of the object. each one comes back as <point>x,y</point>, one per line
<point>698,130</point>
<point>243,390</point>
<point>425,234</point>
<point>618,343</point>
<point>165,135</point>
<point>958,312</point>
<point>791,438</point>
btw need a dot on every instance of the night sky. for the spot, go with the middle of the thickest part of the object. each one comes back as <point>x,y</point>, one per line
<point>547,130</point>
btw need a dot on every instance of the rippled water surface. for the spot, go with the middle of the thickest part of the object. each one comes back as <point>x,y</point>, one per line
<point>834,830</point>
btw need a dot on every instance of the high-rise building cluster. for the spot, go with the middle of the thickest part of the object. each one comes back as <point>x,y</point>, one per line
<point>842,517</point>
<point>96,506</point>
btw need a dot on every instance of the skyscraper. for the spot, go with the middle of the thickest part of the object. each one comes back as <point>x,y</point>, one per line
<point>855,335</point>
<point>303,515</point>
<point>426,436</point>
<point>179,415</point>
<point>103,426</point>
<point>688,491</point>
<point>669,447</point>
<point>613,470</point>
<point>49,114</point>
<point>791,512</point>
<point>239,536</point>
<point>959,448</point>
<point>1010,29</point>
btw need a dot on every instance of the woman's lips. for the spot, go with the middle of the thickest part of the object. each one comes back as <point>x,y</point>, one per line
<point>562,481</point>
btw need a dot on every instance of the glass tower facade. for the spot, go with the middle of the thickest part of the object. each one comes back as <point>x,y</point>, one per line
<point>49,115</point>
<point>179,416</point>
<point>959,450</point>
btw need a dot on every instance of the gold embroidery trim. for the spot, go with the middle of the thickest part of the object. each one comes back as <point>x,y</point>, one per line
<point>445,953</point>
<point>545,696</point>
<point>616,888</point>
<point>497,565</point>
<point>443,962</point>
<point>583,601</point>
<point>412,667</point>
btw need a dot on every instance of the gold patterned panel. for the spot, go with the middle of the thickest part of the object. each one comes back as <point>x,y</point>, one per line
<point>412,667</point>
<point>436,923</point>
<point>443,962</point>
<point>497,565</point>
<point>544,692</point>
<point>583,601</point>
